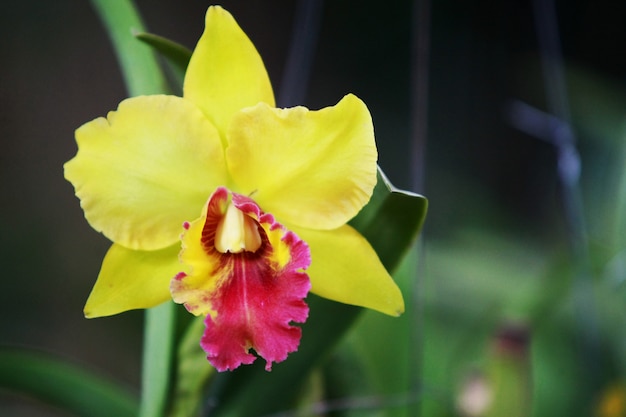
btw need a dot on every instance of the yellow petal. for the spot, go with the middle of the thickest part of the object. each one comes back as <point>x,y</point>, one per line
<point>314,169</point>
<point>225,73</point>
<point>345,268</point>
<point>146,169</point>
<point>131,279</point>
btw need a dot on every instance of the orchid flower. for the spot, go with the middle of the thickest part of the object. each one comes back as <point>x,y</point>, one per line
<point>229,205</point>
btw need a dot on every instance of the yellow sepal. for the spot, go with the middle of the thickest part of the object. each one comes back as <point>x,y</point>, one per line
<point>131,279</point>
<point>225,73</point>
<point>345,268</point>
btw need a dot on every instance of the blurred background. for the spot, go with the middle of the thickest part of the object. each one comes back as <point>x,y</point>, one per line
<point>520,259</point>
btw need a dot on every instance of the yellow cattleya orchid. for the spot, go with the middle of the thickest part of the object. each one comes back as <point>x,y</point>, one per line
<point>261,196</point>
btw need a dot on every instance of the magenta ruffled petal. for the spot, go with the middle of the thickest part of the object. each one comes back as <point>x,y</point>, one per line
<point>252,297</point>
<point>255,309</point>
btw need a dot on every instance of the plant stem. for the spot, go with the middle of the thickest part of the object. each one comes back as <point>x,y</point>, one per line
<point>157,360</point>
<point>140,68</point>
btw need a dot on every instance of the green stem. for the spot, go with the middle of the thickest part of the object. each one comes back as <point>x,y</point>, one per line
<point>143,75</point>
<point>140,68</point>
<point>157,360</point>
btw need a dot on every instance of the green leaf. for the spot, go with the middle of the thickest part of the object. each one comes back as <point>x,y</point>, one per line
<point>176,55</point>
<point>390,222</point>
<point>63,385</point>
<point>390,381</point>
<point>193,372</point>
<point>139,65</point>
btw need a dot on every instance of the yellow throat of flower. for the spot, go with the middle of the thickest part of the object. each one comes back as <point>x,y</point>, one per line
<point>237,232</point>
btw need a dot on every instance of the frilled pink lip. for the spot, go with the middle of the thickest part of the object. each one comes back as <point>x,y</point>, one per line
<point>251,297</point>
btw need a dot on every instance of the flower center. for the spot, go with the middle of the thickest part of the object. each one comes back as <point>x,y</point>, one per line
<point>236,232</point>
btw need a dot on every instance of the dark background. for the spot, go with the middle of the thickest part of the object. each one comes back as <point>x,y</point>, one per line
<point>58,71</point>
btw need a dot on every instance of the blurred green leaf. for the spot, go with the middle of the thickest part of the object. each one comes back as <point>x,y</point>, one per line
<point>372,369</point>
<point>508,374</point>
<point>64,385</point>
<point>390,222</point>
<point>193,372</point>
<point>176,55</point>
<point>471,285</point>
<point>140,68</point>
